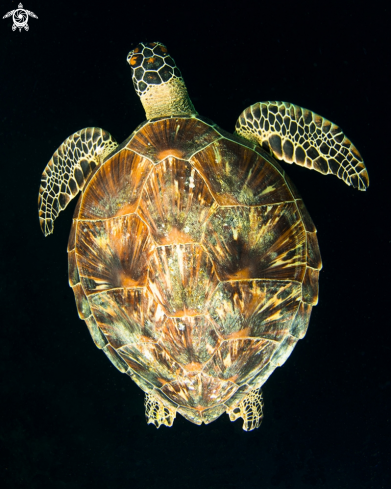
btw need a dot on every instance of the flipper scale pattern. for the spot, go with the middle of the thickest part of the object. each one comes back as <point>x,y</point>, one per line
<point>67,171</point>
<point>297,135</point>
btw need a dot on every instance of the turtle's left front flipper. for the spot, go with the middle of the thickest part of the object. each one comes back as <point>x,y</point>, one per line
<point>66,173</point>
<point>297,135</point>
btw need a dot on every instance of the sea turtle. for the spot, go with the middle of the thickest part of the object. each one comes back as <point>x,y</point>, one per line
<point>192,257</point>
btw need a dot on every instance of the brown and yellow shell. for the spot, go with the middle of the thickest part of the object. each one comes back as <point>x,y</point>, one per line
<point>194,263</point>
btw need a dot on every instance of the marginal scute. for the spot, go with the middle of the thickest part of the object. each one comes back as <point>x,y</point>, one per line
<point>314,259</point>
<point>96,334</point>
<point>73,272</point>
<point>211,414</point>
<point>258,381</point>
<point>83,307</point>
<point>238,396</point>
<point>144,385</point>
<point>300,323</point>
<point>202,416</point>
<point>311,286</point>
<point>198,392</point>
<point>115,359</point>
<point>72,236</point>
<point>77,207</point>
<point>283,351</point>
<point>307,221</point>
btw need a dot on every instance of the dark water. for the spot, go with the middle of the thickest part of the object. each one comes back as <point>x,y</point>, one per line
<point>68,418</point>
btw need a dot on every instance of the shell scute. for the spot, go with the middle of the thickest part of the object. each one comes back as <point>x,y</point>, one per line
<point>178,136</point>
<point>190,340</point>
<point>257,242</point>
<point>199,392</point>
<point>175,203</point>
<point>240,360</point>
<point>255,309</point>
<point>113,253</point>
<point>127,316</point>
<point>152,363</point>
<point>115,189</point>
<point>182,278</point>
<point>237,175</point>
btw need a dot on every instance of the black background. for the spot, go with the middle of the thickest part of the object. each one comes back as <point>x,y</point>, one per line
<point>68,418</point>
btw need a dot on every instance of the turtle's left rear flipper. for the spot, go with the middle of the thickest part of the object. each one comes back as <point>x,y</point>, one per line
<point>66,173</point>
<point>297,135</point>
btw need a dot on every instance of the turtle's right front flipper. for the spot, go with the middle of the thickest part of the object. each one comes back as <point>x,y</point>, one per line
<point>67,171</point>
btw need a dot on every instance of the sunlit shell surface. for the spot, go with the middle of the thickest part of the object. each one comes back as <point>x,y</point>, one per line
<point>194,264</point>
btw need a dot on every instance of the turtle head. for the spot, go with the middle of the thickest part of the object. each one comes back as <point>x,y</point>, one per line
<point>158,82</point>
